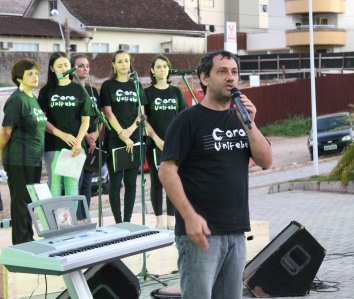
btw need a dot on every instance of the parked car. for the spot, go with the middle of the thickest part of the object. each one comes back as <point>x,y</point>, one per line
<point>105,181</point>
<point>334,133</point>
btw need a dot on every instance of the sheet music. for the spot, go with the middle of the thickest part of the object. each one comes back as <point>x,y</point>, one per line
<point>69,166</point>
<point>42,191</point>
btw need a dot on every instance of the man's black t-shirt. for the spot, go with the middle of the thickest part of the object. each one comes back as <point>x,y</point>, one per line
<point>163,105</point>
<point>64,106</point>
<point>212,151</point>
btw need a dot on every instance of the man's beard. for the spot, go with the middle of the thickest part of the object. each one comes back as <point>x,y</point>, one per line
<point>223,97</point>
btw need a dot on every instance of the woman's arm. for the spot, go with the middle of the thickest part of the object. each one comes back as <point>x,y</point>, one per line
<point>107,110</point>
<point>123,134</point>
<point>136,122</point>
<point>67,138</point>
<point>152,134</point>
<point>85,123</point>
<point>5,134</point>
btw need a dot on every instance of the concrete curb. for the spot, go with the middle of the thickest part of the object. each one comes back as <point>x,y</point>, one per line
<point>323,186</point>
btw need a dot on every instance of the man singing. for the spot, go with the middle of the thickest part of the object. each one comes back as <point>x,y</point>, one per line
<point>204,170</point>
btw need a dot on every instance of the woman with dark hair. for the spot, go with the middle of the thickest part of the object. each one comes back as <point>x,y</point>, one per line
<point>92,133</point>
<point>120,105</point>
<point>21,145</point>
<point>165,101</point>
<point>68,110</point>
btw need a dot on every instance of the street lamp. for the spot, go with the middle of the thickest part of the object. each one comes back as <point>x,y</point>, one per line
<point>54,12</point>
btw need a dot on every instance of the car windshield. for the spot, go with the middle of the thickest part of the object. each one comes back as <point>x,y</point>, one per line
<point>333,123</point>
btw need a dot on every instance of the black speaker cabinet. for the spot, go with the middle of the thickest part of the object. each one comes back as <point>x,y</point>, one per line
<point>110,281</point>
<point>287,266</point>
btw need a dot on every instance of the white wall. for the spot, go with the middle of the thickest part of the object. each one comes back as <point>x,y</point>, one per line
<point>346,21</point>
<point>45,43</point>
<point>274,37</point>
<point>208,16</point>
<point>182,44</point>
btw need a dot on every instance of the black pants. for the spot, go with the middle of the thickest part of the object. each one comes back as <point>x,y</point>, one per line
<point>129,177</point>
<point>18,178</point>
<point>84,189</point>
<point>156,190</point>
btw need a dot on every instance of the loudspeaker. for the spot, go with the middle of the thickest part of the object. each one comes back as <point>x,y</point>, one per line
<point>287,266</point>
<point>110,281</point>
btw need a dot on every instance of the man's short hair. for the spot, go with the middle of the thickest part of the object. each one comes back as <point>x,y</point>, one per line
<point>206,63</point>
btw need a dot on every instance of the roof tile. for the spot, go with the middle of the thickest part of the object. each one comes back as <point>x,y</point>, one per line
<point>146,14</point>
<point>33,27</point>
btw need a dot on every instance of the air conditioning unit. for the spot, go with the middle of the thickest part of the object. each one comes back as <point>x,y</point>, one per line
<point>6,45</point>
<point>124,47</point>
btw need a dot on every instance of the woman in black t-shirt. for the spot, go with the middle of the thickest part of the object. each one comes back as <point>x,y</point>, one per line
<point>91,135</point>
<point>21,145</point>
<point>165,101</point>
<point>120,104</point>
<point>68,110</point>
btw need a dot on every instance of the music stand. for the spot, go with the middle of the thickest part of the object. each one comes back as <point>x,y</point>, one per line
<point>99,121</point>
<point>144,272</point>
<point>54,203</point>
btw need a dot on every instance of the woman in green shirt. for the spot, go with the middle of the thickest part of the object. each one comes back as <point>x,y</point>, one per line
<point>22,144</point>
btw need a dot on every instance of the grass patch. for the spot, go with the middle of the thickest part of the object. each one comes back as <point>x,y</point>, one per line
<point>2,85</point>
<point>292,127</point>
<point>318,178</point>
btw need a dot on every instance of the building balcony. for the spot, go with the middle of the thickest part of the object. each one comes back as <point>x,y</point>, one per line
<point>322,35</point>
<point>318,6</point>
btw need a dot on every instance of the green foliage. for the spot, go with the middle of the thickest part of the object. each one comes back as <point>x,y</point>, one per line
<point>319,178</point>
<point>292,127</point>
<point>345,166</point>
<point>2,85</point>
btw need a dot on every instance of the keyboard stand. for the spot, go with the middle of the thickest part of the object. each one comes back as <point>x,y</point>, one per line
<point>75,281</point>
<point>77,285</point>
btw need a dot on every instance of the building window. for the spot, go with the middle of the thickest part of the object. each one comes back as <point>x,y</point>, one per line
<point>73,48</point>
<point>264,8</point>
<point>207,3</point>
<point>99,48</point>
<point>52,5</point>
<point>134,48</point>
<point>129,48</point>
<point>25,47</point>
<point>56,47</point>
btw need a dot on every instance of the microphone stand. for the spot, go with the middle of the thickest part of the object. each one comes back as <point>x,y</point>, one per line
<point>144,272</point>
<point>99,121</point>
<point>189,88</point>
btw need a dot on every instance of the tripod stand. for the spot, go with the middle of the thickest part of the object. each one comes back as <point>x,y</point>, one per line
<point>142,128</point>
<point>99,121</point>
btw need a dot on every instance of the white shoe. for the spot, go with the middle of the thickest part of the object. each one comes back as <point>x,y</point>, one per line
<point>160,222</point>
<point>171,222</point>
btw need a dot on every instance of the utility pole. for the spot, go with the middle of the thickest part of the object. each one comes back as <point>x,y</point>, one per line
<point>198,11</point>
<point>67,36</point>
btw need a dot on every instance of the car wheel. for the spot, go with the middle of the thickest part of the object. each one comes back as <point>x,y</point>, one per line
<point>105,186</point>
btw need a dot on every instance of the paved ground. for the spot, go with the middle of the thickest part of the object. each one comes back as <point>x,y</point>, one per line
<point>327,216</point>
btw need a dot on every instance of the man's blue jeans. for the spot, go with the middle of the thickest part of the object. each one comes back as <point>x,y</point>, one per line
<point>215,273</point>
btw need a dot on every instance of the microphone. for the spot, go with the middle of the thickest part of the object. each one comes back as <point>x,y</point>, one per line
<point>235,95</point>
<point>73,69</point>
<point>133,75</point>
<point>182,72</point>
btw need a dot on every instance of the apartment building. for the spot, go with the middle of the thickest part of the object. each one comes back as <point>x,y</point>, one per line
<point>279,26</point>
